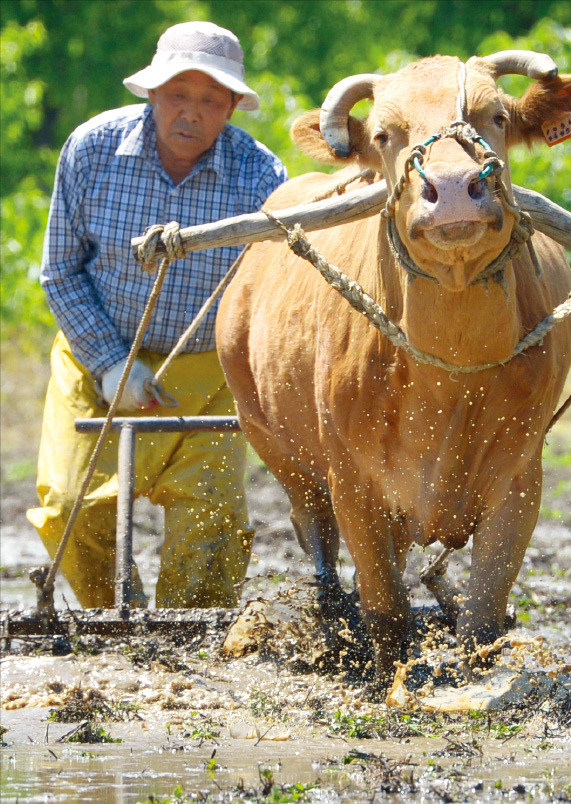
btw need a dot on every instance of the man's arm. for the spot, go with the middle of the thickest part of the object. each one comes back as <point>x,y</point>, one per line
<point>68,287</point>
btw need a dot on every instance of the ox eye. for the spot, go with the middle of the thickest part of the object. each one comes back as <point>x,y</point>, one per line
<point>380,136</point>
<point>500,119</point>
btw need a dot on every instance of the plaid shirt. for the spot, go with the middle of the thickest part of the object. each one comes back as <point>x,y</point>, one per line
<point>109,187</point>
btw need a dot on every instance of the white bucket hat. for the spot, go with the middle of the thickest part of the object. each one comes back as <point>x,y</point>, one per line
<point>199,46</point>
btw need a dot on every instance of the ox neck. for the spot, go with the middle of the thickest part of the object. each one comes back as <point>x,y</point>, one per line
<point>477,325</point>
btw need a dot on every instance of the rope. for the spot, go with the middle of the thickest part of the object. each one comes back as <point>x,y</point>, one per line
<point>556,416</point>
<point>492,166</point>
<point>465,134</point>
<point>169,234</point>
<point>185,337</point>
<point>173,243</point>
<point>366,175</point>
<point>417,153</point>
<point>401,255</point>
<point>365,304</point>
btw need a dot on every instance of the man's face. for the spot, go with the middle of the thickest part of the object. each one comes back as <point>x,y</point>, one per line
<point>190,111</point>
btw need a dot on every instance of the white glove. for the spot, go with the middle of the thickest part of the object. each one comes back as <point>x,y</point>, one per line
<point>135,396</point>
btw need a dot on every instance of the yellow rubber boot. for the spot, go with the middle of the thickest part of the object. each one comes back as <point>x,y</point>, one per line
<point>88,562</point>
<point>205,556</point>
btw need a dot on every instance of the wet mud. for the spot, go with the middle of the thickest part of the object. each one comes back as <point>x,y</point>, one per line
<point>264,711</point>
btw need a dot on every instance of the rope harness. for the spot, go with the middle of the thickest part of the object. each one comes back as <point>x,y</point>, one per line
<point>492,166</point>
<point>365,304</point>
<point>352,291</point>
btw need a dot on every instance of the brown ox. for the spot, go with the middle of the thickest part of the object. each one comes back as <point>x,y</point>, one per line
<point>367,441</point>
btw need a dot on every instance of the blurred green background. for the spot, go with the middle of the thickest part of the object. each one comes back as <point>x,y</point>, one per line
<point>63,61</point>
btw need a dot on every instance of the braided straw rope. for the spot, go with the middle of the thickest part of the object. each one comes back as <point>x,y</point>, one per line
<point>365,304</point>
<point>492,166</point>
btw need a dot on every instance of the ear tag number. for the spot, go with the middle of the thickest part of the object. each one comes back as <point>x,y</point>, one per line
<point>557,130</point>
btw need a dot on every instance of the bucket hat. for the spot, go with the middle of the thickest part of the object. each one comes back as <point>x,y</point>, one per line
<point>201,46</point>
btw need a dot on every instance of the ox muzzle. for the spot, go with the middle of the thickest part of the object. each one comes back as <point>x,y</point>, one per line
<point>455,204</point>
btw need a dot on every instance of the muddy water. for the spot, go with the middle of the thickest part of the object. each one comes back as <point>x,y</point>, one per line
<point>338,771</point>
<point>239,728</point>
<point>105,775</point>
<point>273,728</point>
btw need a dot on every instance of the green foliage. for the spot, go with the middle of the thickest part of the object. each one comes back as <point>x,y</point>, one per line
<point>91,733</point>
<point>358,727</point>
<point>323,42</point>
<point>24,216</point>
<point>203,733</point>
<point>270,793</point>
<point>19,470</point>
<point>273,793</point>
<point>89,46</point>
<point>265,705</point>
<point>23,97</point>
<point>282,101</point>
<point>25,172</point>
<point>556,455</point>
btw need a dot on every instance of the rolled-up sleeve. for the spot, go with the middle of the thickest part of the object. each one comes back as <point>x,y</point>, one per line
<point>67,249</point>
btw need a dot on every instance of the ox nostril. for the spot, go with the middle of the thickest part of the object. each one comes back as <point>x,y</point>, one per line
<point>429,192</point>
<point>476,189</point>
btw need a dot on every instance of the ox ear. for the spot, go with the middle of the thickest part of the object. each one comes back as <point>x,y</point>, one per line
<point>543,101</point>
<point>306,134</point>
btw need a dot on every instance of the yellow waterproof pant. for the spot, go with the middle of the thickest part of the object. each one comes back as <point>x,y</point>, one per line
<point>197,477</point>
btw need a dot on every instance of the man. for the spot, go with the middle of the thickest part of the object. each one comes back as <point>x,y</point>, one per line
<point>176,158</point>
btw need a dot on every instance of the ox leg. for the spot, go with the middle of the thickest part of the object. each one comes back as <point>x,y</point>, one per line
<point>386,609</point>
<point>318,535</point>
<point>497,555</point>
<point>385,604</point>
<point>316,529</point>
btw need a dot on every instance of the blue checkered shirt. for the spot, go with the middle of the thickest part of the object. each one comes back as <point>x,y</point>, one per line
<point>110,186</point>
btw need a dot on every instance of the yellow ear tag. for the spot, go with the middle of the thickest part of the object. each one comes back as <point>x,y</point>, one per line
<point>558,129</point>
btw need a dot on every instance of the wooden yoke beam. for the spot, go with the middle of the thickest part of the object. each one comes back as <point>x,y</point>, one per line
<point>547,217</point>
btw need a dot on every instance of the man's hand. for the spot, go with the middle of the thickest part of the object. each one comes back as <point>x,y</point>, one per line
<point>135,396</point>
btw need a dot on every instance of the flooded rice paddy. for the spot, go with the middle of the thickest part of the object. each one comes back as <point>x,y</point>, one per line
<point>143,721</point>
<point>273,718</point>
<point>322,771</point>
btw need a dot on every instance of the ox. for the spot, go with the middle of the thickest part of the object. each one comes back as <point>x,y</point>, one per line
<point>367,442</point>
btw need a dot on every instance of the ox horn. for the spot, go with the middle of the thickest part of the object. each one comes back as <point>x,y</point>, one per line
<point>336,107</point>
<point>522,62</point>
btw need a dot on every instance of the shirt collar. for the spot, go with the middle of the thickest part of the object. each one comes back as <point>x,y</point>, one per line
<point>142,141</point>
<point>214,158</point>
